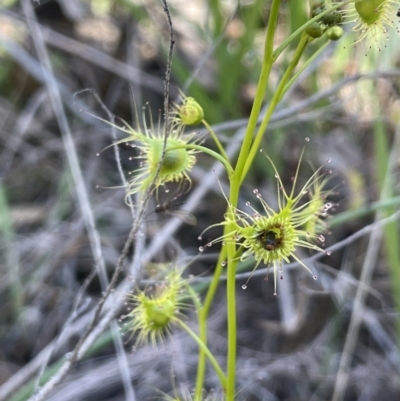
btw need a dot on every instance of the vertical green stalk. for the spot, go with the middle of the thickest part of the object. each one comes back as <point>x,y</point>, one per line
<point>260,93</point>
<point>280,91</point>
<point>246,156</point>
<point>233,199</point>
<point>231,316</point>
<point>391,235</point>
<point>202,321</point>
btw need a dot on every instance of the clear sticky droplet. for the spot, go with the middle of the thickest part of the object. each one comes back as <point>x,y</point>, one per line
<point>247,203</point>
<point>307,139</point>
<point>201,249</point>
<point>315,277</point>
<point>244,286</point>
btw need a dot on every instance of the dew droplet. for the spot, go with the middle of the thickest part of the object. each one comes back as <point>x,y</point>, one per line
<point>244,286</point>
<point>223,263</point>
<point>276,175</point>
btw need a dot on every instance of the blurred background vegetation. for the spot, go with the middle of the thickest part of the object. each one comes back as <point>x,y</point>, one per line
<point>289,346</point>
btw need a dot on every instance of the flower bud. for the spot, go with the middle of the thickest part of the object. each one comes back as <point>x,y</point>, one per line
<point>334,33</point>
<point>190,112</point>
<point>332,18</point>
<point>314,30</point>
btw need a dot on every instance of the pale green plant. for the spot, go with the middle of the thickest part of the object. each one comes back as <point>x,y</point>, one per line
<point>273,236</point>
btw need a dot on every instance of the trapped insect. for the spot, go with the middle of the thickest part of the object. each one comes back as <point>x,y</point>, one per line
<point>172,208</point>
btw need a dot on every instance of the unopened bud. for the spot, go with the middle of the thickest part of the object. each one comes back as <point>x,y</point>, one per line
<point>314,30</point>
<point>334,33</point>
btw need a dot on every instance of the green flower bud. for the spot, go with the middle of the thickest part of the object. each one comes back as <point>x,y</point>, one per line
<point>190,112</point>
<point>334,33</point>
<point>314,30</point>
<point>332,18</point>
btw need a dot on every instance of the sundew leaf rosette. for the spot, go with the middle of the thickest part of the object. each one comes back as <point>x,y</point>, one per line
<point>272,237</point>
<point>177,162</point>
<point>156,309</point>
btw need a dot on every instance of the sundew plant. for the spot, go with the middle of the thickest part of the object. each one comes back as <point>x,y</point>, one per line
<point>257,206</point>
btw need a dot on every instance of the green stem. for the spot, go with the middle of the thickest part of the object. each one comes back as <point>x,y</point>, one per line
<point>231,316</point>
<point>203,149</point>
<point>305,65</point>
<point>204,348</point>
<point>216,140</point>
<point>234,195</point>
<point>202,320</point>
<point>259,97</point>
<point>280,91</point>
